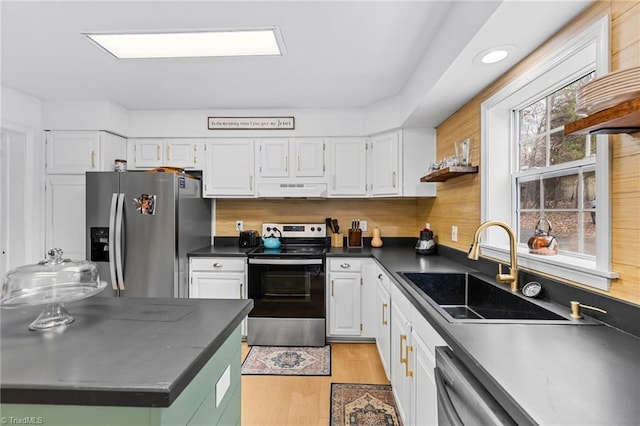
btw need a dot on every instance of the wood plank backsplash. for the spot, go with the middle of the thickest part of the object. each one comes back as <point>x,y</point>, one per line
<point>458,200</point>
<point>394,217</point>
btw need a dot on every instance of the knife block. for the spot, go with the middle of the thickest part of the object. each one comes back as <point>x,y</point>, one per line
<point>337,240</point>
<point>355,238</point>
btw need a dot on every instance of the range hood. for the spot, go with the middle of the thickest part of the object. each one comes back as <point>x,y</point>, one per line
<point>292,190</point>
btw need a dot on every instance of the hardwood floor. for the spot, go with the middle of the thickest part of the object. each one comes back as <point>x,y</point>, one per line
<point>299,400</point>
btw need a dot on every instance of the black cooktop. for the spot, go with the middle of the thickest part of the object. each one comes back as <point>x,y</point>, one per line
<point>290,250</point>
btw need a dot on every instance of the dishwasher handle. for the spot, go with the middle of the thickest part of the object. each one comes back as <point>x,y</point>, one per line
<point>445,400</point>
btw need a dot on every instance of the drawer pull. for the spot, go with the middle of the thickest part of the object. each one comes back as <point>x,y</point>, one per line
<point>345,265</point>
<point>379,276</point>
<point>403,339</point>
<point>217,265</point>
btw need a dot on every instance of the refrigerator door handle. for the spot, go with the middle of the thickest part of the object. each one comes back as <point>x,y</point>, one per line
<point>118,250</point>
<point>112,223</point>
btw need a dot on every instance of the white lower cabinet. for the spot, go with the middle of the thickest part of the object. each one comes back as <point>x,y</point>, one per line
<point>424,341</point>
<point>218,278</point>
<point>344,284</point>
<point>382,309</point>
<point>413,342</point>
<point>400,347</point>
<point>376,308</point>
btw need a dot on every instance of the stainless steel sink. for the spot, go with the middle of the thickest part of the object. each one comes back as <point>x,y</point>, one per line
<point>467,298</point>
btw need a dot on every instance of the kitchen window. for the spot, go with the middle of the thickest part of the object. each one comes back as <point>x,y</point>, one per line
<point>555,177</point>
<point>531,171</point>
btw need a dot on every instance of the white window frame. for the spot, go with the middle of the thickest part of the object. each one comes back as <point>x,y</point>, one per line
<point>583,53</point>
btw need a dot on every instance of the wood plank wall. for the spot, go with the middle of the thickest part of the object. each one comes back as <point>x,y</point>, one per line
<point>458,201</point>
<point>394,217</point>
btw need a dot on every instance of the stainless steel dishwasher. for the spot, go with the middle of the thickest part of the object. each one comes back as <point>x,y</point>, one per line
<point>462,400</point>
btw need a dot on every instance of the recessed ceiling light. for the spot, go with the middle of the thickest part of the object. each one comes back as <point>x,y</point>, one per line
<point>494,54</point>
<point>240,42</point>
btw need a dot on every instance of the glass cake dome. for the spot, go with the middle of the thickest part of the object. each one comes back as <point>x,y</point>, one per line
<point>50,282</point>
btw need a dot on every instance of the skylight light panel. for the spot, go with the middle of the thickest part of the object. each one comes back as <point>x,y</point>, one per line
<point>262,42</point>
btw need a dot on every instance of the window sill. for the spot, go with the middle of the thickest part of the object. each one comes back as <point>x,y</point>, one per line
<point>567,268</point>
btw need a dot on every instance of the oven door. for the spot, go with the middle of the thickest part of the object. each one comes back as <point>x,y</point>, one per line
<point>287,288</point>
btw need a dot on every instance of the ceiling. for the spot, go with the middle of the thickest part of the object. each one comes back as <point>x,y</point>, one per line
<point>338,54</point>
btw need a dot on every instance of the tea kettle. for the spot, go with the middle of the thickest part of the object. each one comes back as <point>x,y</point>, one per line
<point>542,241</point>
<point>271,241</point>
<point>426,244</point>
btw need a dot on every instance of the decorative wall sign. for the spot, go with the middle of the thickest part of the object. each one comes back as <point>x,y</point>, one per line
<point>251,123</point>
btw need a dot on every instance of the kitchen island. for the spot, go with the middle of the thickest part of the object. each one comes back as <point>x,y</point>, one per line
<point>133,361</point>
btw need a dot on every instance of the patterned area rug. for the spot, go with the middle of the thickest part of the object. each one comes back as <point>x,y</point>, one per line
<point>354,404</point>
<point>288,361</point>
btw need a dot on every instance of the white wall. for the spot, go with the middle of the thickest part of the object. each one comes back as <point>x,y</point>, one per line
<point>106,115</point>
<point>193,123</point>
<point>86,115</point>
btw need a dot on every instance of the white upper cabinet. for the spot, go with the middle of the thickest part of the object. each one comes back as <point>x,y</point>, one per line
<point>149,153</point>
<point>347,171</point>
<point>76,152</point>
<point>229,170</point>
<point>273,157</point>
<point>290,158</point>
<point>309,157</point>
<point>385,168</point>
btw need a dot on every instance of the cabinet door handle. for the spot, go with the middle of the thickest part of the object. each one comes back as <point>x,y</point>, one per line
<point>286,163</point>
<point>345,265</point>
<point>251,182</point>
<point>393,179</point>
<point>334,182</point>
<point>241,290</point>
<point>331,288</point>
<point>384,309</point>
<point>217,265</point>
<point>379,276</point>
<point>403,339</point>
<point>93,158</point>
<point>168,152</point>
<point>298,163</point>
<point>158,152</point>
<point>408,372</point>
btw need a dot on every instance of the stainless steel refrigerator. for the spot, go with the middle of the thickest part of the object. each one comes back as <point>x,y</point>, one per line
<point>139,228</point>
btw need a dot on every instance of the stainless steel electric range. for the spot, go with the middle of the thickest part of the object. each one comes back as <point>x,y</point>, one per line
<point>287,285</point>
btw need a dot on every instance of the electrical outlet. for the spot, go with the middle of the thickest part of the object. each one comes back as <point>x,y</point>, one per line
<point>239,225</point>
<point>454,233</point>
<point>363,225</point>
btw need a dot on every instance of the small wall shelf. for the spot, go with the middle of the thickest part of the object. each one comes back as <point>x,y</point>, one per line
<point>448,173</point>
<point>622,118</point>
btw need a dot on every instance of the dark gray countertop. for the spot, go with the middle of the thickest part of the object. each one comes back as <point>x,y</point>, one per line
<point>118,351</point>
